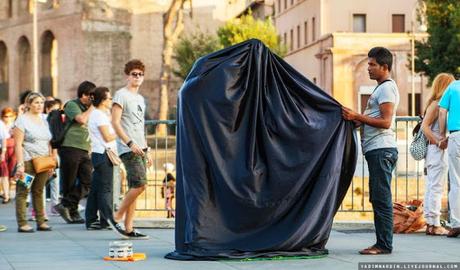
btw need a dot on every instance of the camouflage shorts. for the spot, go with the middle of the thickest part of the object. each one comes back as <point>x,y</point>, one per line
<point>136,167</point>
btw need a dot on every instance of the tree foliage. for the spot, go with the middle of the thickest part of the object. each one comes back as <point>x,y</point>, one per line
<point>441,51</point>
<point>191,47</point>
<point>247,27</point>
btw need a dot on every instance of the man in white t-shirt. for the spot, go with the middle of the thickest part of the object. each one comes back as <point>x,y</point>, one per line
<point>379,146</point>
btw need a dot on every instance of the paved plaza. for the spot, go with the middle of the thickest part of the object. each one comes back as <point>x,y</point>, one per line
<point>72,247</point>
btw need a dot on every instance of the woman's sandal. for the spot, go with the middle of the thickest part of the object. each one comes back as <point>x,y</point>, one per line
<point>439,231</point>
<point>374,251</point>
<point>25,229</point>
<point>44,228</point>
<point>429,229</point>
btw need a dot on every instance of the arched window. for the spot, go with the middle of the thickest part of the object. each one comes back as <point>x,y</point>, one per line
<point>24,64</point>
<point>6,9</point>
<point>49,70</point>
<point>4,89</point>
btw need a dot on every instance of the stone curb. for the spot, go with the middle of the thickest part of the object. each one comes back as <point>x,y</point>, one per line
<point>168,223</point>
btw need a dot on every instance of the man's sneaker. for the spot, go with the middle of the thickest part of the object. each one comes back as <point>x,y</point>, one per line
<point>94,226</point>
<point>137,235</point>
<point>76,218</point>
<point>118,228</point>
<point>63,212</point>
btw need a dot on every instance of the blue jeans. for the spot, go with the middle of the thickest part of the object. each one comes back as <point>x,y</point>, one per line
<point>381,163</point>
<point>100,197</point>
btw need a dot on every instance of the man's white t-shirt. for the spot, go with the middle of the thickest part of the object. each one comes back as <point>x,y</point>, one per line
<point>99,118</point>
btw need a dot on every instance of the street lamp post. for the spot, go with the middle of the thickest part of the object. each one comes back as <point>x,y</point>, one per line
<point>420,7</point>
<point>35,43</point>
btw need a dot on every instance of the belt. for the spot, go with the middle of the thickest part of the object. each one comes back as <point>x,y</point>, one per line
<point>453,131</point>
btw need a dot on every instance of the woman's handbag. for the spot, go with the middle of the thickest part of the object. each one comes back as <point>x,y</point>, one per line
<point>114,158</point>
<point>43,164</point>
<point>419,144</point>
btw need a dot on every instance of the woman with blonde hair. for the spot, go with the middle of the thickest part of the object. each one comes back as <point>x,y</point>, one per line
<point>435,160</point>
<point>32,136</point>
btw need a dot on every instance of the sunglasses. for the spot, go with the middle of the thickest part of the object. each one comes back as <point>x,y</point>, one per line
<point>137,74</point>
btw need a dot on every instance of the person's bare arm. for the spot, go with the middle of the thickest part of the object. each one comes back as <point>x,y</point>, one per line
<point>430,116</point>
<point>83,117</point>
<point>106,135</point>
<point>3,149</point>
<point>442,127</point>
<point>18,136</point>
<point>116,123</point>
<point>384,121</point>
<point>442,121</point>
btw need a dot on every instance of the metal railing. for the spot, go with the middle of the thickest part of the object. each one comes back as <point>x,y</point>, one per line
<point>407,183</point>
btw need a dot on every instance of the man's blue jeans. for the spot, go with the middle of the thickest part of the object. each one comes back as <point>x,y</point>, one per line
<point>381,163</point>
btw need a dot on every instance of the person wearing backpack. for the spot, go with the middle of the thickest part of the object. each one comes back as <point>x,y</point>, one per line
<point>74,154</point>
<point>379,145</point>
<point>435,160</point>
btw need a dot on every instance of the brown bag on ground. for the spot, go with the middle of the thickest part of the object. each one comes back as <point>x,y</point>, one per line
<point>408,216</point>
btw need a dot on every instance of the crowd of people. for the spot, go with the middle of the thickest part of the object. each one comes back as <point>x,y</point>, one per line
<point>98,128</point>
<point>72,148</point>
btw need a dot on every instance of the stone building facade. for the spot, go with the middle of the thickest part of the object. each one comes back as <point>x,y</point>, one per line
<point>91,40</point>
<point>328,41</point>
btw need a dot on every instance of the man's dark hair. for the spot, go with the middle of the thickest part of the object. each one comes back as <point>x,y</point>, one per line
<point>23,95</point>
<point>58,101</point>
<point>49,104</point>
<point>85,88</point>
<point>382,56</point>
<point>134,64</point>
<point>99,95</point>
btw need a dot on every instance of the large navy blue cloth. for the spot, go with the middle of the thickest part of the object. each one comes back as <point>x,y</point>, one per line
<point>264,158</point>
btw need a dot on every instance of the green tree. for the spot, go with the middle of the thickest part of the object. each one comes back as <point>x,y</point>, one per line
<point>441,51</point>
<point>247,27</point>
<point>189,48</point>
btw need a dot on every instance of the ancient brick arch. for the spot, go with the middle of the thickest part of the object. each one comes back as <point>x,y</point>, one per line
<point>48,63</point>
<point>4,89</point>
<point>24,56</point>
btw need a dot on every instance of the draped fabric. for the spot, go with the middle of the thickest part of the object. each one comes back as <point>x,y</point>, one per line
<point>264,158</point>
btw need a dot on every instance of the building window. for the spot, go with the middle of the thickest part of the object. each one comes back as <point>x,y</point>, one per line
<point>285,38</point>
<point>298,36</point>
<point>4,91</point>
<point>418,99</point>
<point>285,4</point>
<point>292,2</point>
<point>398,23</point>
<point>313,29</point>
<point>359,23</point>
<point>291,44</point>
<point>279,6</point>
<point>305,29</point>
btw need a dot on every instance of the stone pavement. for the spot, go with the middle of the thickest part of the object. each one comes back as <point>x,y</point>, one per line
<point>72,247</point>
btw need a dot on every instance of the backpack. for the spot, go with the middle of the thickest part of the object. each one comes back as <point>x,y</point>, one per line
<point>57,127</point>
